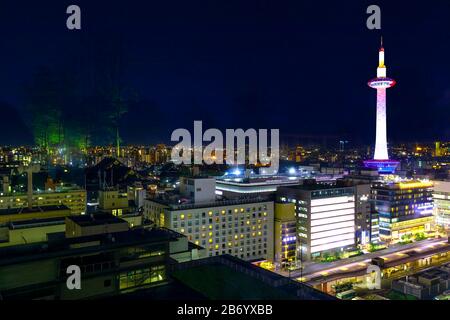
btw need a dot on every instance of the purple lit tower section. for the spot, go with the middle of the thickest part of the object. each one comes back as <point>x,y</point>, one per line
<point>381,83</point>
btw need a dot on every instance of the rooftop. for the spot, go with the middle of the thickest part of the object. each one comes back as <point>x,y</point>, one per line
<point>404,184</point>
<point>58,245</point>
<point>316,187</point>
<point>259,181</point>
<point>34,209</point>
<point>173,204</point>
<point>96,219</point>
<point>226,277</point>
<point>59,189</point>
<point>416,279</point>
<point>35,223</point>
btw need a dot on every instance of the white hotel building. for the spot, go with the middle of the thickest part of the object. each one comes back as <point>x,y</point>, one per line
<point>325,217</point>
<point>239,227</point>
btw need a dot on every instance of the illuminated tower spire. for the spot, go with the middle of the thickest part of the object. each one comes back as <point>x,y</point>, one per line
<point>381,70</point>
<point>381,83</point>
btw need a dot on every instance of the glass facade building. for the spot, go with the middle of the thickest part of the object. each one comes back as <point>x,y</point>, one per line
<point>404,208</point>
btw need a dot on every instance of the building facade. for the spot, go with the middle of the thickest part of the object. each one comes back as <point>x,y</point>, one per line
<point>198,189</point>
<point>325,217</point>
<point>73,198</point>
<point>404,208</point>
<point>241,227</point>
<point>111,264</point>
<point>363,223</point>
<point>441,197</point>
<point>113,201</point>
<point>285,235</point>
<point>363,211</point>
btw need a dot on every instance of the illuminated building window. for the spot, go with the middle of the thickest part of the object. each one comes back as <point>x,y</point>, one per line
<point>136,278</point>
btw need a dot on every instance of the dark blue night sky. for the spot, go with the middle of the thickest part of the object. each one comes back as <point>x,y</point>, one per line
<point>301,66</point>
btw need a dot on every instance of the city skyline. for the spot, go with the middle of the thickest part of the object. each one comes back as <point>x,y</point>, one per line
<point>263,71</point>
<point>216,157</point>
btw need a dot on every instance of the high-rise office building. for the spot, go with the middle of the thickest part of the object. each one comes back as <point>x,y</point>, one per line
<point>363,212</point>
<point>325,217</point>
<point>404,208</point>
<point>366,220</point>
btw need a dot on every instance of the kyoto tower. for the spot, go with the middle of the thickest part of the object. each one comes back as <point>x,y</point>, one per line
<point>381,83</point>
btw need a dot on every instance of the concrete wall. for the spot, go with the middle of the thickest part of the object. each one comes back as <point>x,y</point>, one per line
<point>199,189</point>
<point>31,235</point>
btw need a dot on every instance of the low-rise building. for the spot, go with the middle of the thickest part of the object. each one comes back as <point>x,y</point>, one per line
<point>30,231</point>
<point>22,214</point>
<point>112,201</point>
<point>110,264</point>
<point>93,224</point>
<point>72,197</point>
<point>426,284</point>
